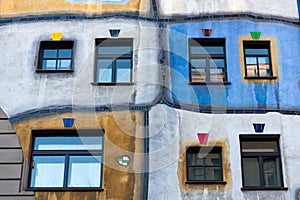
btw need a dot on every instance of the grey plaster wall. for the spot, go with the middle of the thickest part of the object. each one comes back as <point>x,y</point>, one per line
<point>169,126</point>
<point>23,89</point>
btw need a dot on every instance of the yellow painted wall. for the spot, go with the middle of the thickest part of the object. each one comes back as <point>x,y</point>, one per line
<point>17,7</point>
<point>123,131</point>
<point>201,187</point>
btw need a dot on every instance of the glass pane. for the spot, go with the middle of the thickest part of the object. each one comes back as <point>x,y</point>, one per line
<point>212,159</point>
<point>198,63</point>
<point>114,50</point>
<point>256,51</point>
<point>123,70</point>
<point>84,171</point>
<point>48,171</point>
<point>50,53</point>
<point>212,174</point>
<point>264,66</point>
<point>251,66</point>
<point>251,172</point>
<point>64,64</point>
<point>195,159</point>
<point>216,63</point>
<point>207,50</point>
<point>259,146</point>
<point>217,75</point>
<point>272,172</point>
<point>68,143</point>
<point>104,73</point>
<point>49,64</point>
<point>198,74</point>
<point>65,53</point>
<point>196,174</point>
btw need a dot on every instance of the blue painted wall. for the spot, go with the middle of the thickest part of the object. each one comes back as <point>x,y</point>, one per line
<point>284,93</point>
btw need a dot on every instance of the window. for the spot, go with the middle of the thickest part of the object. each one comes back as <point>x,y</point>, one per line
<point>261,163</point>
<point>204,164</point>
<point>55,56</point>
<point>207,61</point>
<point>62,159</point>
<point>257,59</point>
<point>113,61</point>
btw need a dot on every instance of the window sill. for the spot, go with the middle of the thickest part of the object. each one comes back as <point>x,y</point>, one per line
<point>52,189</point>
<point>210,83</point>
<point>263,188</point>
<point>205,182</point>
<point>113,84</point>
<point>261,77</point>
<point>54,71</point>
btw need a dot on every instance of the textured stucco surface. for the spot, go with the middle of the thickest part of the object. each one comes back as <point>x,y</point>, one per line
<point>123,133</point>
<point>178,128</point>
<point>196,7</point>
<point>20,44</point>
<point>19,8</point>
<point>280,93</point>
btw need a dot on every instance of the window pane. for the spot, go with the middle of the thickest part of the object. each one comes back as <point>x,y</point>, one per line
<point>207,49</point>
<point>65,53</point>
<point>259,146</point>
<point>196,174</point>
<point>104,73</point>
<point>84,171</point>
<point>217,75</point>
<point>272,172</point>
<point>212,159</point>
<point>64,64</point>
<point>264,66</point>
<point>49,64</point>
<point>198,63</point>
<point>68,143</point>
<point>48,171</point>
<point>256,51</point>
<point>123,70</point>
<point>212,174</point>
<point>251,172</point>
<point>114,50</point>
<point>216,63</point>
<point>195,159</point>
<point>251,66</point>
<point>198,75</point>
<point>50,53</point>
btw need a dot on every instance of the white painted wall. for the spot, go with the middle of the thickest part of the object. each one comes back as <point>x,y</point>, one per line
<point>23,89</point>
<point>195,7</point>
<point>179,125</point>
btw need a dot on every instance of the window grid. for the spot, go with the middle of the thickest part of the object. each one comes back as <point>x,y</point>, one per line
<point>66,154</point>
<point>258,65</point>
<point>205,73</point>
<point>261,157</point>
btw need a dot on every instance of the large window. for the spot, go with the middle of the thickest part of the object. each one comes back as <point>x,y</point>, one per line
<point>207,61</point>
<point>261,163</point>
<point>55,56</point>
<point>257,59</point>
<point>204,164</point>
<point>63,159</point>
<point>113,61</point>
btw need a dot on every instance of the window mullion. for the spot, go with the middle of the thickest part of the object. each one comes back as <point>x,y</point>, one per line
<point>257,66</point>
<point>261,171</point>
<point>56,66</point>
<point>114,73</point>
<point>207,70</point>
<point>66,174</point>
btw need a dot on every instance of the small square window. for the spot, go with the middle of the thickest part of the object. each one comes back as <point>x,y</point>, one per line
<point>207,61</point>
<point>257,59</point>
<point>261,163</point>
<point>204,164</point>
<point>113,61</point>
<point>63,159</point>
<point>55,56</point>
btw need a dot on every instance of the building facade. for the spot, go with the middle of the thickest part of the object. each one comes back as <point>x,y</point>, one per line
<point>140,99</point>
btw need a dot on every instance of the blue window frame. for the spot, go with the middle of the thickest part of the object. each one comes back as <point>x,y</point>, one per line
<point>64,159</point>
<point>113,61</point>
<point>55,56</point>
